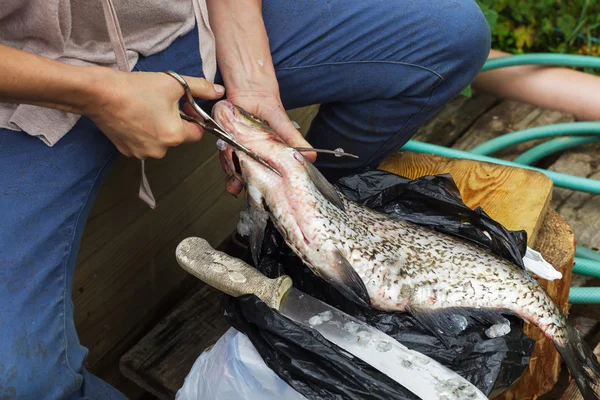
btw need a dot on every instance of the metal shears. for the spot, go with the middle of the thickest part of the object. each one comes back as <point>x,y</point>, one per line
<point>212,126</point>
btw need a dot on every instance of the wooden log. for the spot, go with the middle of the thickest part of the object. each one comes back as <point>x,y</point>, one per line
<point>496,188</point>
<point>556,243</point>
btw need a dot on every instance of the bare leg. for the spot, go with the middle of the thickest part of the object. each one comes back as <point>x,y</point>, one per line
<point>550,87</point>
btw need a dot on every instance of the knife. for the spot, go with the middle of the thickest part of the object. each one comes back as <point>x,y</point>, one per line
<point>418,373</point>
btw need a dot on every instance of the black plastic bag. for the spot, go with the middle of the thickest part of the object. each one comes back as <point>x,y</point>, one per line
<point>318,369</point>
<point>434,201</point>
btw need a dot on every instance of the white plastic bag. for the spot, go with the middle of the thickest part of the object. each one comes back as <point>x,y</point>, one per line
<point>233,370</point>
<point>535,263</point>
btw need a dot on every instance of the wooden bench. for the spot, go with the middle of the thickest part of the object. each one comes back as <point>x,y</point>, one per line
<point>162,359</point>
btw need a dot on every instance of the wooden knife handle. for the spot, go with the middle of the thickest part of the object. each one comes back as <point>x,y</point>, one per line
<point>229,274</point>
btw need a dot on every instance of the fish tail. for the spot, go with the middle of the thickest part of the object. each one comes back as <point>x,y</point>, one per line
<point>581,362</point>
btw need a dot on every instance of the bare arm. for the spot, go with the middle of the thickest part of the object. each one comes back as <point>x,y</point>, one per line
<point>243,52</point>
<point>137,111</point>
<point>546,86</point>
<point>244,59</point>
<point>31,79</point>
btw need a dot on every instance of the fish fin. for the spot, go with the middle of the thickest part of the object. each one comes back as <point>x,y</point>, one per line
<point>257,218</point>
<point>346,280</point>
<point>581,362</point>
<point>439,322</point>
<point>449,322</point>
<point>323,185</point>
<point>257,233</point>
<point>485,315</point>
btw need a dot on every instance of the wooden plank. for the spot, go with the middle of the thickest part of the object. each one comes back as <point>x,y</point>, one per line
<point>497,189</point>
<point>160,362</point>
<point>505,117</point>
<point>448,124</point>
<point>109,367</point>
<point>580,209</point>
<point>114,377</point>
<point>123,281</point>
<point>118,206</point>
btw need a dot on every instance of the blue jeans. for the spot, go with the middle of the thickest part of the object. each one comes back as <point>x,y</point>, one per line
<point>379,68</point>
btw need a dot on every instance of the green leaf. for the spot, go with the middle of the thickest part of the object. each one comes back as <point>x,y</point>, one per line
<point>467,91</point>
<point>529,26</point>
<point>547,26</point>
<point>491,16</point>
<point>566,23</point>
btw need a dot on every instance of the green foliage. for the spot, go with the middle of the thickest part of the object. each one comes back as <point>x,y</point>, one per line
<point>543,26</point>
<point>556,26</point>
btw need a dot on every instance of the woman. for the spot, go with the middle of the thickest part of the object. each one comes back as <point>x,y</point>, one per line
<point>81,83</point>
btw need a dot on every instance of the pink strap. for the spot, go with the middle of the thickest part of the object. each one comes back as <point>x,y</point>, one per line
<point>115,34</point>
<point>207,54</point>
<point>207,41</point>
<point>118,44</point>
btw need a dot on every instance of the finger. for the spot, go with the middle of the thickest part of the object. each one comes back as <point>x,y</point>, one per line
<point>224,163</point>
<point>204,89</point>
<point>192,132</point>
<point>189,110</point>
<point>281,123</point>
<point>234,186</point>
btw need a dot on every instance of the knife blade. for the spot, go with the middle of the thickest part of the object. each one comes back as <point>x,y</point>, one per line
<point>415,371</point>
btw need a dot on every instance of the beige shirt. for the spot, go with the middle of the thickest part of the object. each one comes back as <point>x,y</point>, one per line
<point>77,32</point>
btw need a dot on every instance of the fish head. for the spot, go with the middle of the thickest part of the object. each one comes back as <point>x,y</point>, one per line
<point>252,132</point>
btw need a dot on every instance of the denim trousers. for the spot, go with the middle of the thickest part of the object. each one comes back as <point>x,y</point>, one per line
<point>379,69</point>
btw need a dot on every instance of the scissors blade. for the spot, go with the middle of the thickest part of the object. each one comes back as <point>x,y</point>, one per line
<point>228,139</point>
<point>190,99</point>
<point>213,126</point>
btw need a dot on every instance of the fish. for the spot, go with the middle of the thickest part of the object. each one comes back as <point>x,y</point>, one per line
<point>385,263</point>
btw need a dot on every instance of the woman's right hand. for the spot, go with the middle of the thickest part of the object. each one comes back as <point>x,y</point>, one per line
<point>139,111</point>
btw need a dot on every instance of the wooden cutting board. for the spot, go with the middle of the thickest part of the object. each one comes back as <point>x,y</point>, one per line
<point>515,197</point>
<point>518,199</point>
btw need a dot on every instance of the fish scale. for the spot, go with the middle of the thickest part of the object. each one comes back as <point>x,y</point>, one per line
<point>387,263</point>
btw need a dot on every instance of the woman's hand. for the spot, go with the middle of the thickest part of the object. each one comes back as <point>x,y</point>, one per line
<point>244,59</point>
<point>266,104</point>
<point>139,111</point>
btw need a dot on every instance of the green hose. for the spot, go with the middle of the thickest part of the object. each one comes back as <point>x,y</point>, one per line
<point>538,152</point>
<point>583,252</point>
<point>539,132</point>
<point>587,267</point>
<point>561,180</point>
<point>572,60</point>
<point>584,295</point>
